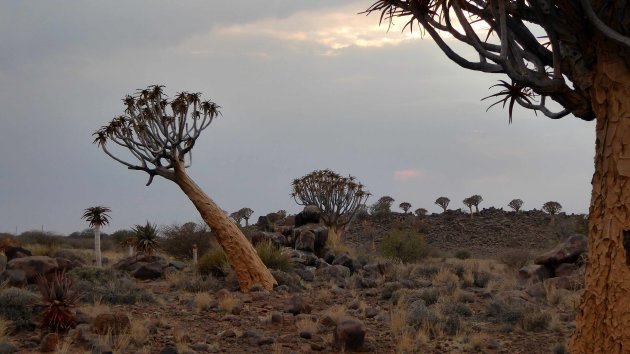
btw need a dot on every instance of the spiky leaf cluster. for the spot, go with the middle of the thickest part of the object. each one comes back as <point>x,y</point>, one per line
<point>96,215</point>
<point>147,238</point>
<point>336,196</point>
<point>157,132</point>
<point>547,48</point>
<point>59,300</point>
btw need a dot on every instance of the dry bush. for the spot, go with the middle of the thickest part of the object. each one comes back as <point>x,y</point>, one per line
<point>536,321</point>
<point>227,302</point>
<point>214,262</point>
<point>571,301</point>
<point>477,341</point>
<point>446,278</point>
<point>552,293</point>
<point>192,282</point>
<point>18,306</point>
<point>335,313</point>
<point>202,301</point>
<point>139,331</point>
<point>405,245</point>
<point>516,259</point>
<point>306,325</point>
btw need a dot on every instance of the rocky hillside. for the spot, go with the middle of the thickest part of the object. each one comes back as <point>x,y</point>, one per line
<point>487,234</point>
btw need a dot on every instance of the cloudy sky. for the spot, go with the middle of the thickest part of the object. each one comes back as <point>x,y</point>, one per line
<point>303,85</point>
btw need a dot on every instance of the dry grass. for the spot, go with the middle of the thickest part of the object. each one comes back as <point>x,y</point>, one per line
<point>94,309</point>
<point>4,329</point>
<point>570,301</point>
<point>306,325</point>
<point>202,301</point>
<point>398,320</point>
<point>406,343</point>
<point>228,302</point>
<point>336,312</point>
<point>468,278</point>
<point>114,256</point>
<point>41,250</point>
<point>181,339</point>
<point>477,341</point>
<point>447,278</point>
<point>500,285</point>
<point>552,293</point>
<point>139,332</point>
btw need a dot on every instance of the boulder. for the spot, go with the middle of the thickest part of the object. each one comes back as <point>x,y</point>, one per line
<point>3,262</point>
<point>179,265</point>
<point>114,323</point>
<point>310,215</point>
<point>273,237</point>
<point>264,224</point>
<point>7,348</point>
<point>535,272</point>
<point>49,343</point>
<point>566,252</point>
<point>305,241</point>
<point>149,271</point>
<point>67,264</point>
<point>565,269</point>
<point>15,277</point>
<point>33,266</point>
<point>330,272</point>
<point>349,333</point>
<point>344,260</point>
<point>320,233</point>
<point>291,280</point>
<point>573,282</point>
<point>13,252</point>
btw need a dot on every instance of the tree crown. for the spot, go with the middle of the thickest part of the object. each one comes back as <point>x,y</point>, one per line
<point>96,215</point>
<point>515,204</point>
<point>552,207</point>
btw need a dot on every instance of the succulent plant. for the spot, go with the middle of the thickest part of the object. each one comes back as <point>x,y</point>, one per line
<point>146,238</point>
<point>59,299</point>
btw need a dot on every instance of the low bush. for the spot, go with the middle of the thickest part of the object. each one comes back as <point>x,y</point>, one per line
<point>18,305</point>
<point>193,283</point>
<point>481,278</point>
<point>178,240</point>
<point>505,312</point>
<point>274,257</point>
<point>462,254</point>
<point>406,245</point>
<point>107,286</point>
<point>214,262</point>
<point>536,321</point>
<point>515,259</point>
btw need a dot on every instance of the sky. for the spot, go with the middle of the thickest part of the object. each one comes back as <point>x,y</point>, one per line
<point>303,85</point>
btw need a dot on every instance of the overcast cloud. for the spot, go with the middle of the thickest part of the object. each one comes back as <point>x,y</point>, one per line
<point>303,85</point>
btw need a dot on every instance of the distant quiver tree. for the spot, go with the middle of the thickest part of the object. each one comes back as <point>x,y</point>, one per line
<point>246,213</point>
<point>552,208</point>
<point>443,202</point>
<point>516,204</point>
<point>421,212</point>
<point>97,217</point>
<point>157,134</point>
<point>469,203</point>
<point>476,200</point>
<point>336,196</point>
<point>576,53</point>
<point>405,206</point>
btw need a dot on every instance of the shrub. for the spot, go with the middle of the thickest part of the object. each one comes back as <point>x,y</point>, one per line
<point>18,306</point>
<point>462,254</point>
<point>536,321</point>
<point>107,286</point>
<point>452,325</point>
<point>430,295</point>
<point>481,278</point>
<point>213,262</point>
<point>274,257</point>
<point>515,259</point>
<point>405,245</point>
<point>419,315</point>
<point>450,308</point>
<point>178,240</point>
<point>193,283</point>
<point>505,312</point>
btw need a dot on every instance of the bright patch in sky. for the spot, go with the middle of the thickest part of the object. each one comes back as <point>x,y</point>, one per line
<point>405,175</point>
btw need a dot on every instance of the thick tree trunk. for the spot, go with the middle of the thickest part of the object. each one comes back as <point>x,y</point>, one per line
<point>250,270</point>
<point>603,323</point>
<point>97,245</point>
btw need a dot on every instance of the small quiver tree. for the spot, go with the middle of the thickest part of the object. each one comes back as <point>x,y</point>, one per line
<point>421,212</point>
<point>97,217</point>
<point>382,207</point>
<point>246,213</point>
<point>516,204</point>
<point>405,206</point>
<point>237,217</point>
<point>552,208</point>
<point>476,200</point>
<point>338,198</point>
<point>158,135</point>
<point>469,203</point>
<point>443,203</point>
<point>146,238</point>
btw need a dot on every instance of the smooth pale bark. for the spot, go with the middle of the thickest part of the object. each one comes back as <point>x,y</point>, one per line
<point>249,269</point>
<point>603,322</point>
<point>97,245</point>
<point>130,250</point>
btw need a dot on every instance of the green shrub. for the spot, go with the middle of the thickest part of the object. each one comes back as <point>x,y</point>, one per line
<point>108,286</point>
<point>405,245</point>
<point>213,262</point>
<point>419,315</point>
<point>274,257</point>
<point>462,254</point>
<point>18,305</point>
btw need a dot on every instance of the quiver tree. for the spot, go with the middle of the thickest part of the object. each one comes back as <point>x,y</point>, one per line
<point>469,203</point>
<point>476,200</point>
<point>382,207</point>
<point>516,204</point>
<point>97,217</point>
<point>405,206</point>
<point>443,203</point>
<point>246,213</point>
<point>157,134</point>
<point>576,53</point>
<point>237,217</point>
<point>337,197</point>
<point>420,212</point>
<point>552,208</point>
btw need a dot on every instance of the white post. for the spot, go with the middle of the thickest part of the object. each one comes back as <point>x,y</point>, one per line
<point>194,253</point>
<point>129,250</point>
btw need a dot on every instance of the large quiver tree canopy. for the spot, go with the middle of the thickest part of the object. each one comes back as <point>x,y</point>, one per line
<point>158,134</point>
<point>576,53</point>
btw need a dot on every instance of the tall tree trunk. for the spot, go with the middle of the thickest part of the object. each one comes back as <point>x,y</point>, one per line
<point>97,245</point>
<point>603,323</point>
<point>246,222</point>
<point>250,270</point>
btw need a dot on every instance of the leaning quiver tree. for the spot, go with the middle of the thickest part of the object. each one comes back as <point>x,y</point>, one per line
<point>158,135</point>
<point>336,196</point>
<point>576,53</point>
<point>443,202</point>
